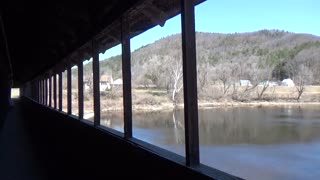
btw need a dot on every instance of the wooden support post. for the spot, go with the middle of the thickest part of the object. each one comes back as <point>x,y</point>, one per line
<point>69,90</point>
<point>55,91</point>
<point>190,83</point>
<point>60,91</point>
<point>46,92</point>
<point>40,91</point>
<point>43,92</point>
<point>35,89</point>
<point>24,93</point>
<point>80,89</point>
<point>50,91</point>
<point>126,74</point>
<point>96,84</point>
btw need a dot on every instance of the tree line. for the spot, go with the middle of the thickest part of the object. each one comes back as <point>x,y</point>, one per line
<point>225,59</point>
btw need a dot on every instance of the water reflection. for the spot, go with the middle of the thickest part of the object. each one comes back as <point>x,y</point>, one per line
<point>178,126</point>
<point>165,127</point>
<point>113,120</point>
<point>251,142</point>
<point>258,126</point>
<point>220,126</point>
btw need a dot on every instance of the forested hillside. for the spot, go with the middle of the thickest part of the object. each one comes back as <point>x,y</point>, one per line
<point>225,59</point>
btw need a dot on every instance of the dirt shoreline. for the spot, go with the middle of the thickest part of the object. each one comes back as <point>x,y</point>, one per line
<point>203,105</point>
<point>167,106</point>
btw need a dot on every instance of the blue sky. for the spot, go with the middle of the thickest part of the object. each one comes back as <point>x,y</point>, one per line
<point>230,16</point>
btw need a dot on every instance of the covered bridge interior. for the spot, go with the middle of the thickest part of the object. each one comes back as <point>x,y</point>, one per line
<point>40,39</point>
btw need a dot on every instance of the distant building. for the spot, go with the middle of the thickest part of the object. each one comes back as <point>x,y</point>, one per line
<point>287,82</point>
<point>87,83</point>
<point>117,82</point>
<point>268,83</point>
<point>245,83</point>
<point>105,82</point>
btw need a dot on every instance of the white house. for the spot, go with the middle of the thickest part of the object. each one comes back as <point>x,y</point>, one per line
<point>117,82</point>
<point>245,83</point>
<point>87,83</point>
<point>105,82</point>
<point>287,82</point>
<point>268,83</point>
<point>86,87</point>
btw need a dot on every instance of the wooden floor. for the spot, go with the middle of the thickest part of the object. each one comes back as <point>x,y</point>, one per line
<point>17,158</point>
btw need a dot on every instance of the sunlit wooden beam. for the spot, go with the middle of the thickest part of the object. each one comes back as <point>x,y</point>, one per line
<point>190,83</point>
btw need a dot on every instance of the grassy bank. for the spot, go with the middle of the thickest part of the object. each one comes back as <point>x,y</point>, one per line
<point>158,100</point>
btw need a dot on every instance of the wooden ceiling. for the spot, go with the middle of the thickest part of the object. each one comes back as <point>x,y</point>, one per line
<point>45,34</point>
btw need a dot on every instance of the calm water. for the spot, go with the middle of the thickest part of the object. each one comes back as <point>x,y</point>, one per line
<point>250,142</point>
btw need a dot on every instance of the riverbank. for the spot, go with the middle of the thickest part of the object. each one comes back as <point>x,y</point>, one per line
<point>254,104</point>
<point>158,100</point>
<point>202,105</point>
<point>170,106</point>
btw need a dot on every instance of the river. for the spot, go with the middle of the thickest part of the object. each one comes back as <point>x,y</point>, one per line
<point>278,142</point>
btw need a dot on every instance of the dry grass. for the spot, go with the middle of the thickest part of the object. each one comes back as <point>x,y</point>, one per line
<point>154,99</point>
<point>311,93</point>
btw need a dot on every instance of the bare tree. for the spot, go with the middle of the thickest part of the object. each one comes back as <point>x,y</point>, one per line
<point>202,76</point>
<point>202,71</point>
<point>88,80</point>
<point>227,74</point>
<point>260,79</point>
<point>175,71</point>
<point>223,75</point>
<point>156,74</point>
<point>303,77</point>
<point>260,91</point>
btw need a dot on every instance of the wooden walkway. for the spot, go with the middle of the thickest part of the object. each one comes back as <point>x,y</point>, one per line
<point>17,159</point>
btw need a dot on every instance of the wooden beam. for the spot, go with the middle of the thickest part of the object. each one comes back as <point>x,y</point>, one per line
<point>60,91</point>
<point>80,89</point>
<point>156,15</point>
<point>126,74</point>
<point>96,84</point>
<point>55,91</point>
<point>69,90</point>
<point>50,91</point>
<point>190,83</point>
